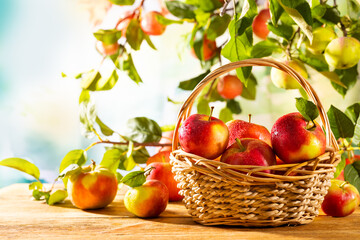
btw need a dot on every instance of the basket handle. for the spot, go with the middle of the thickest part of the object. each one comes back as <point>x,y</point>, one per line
<point>187,105</point>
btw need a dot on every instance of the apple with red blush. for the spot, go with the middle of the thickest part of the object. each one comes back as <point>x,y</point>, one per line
<point>243,129</point>
<point>150,25</point>
<point>162,171</point>
<point>341,200</point>
<point>204,135</point>
<point>148,200</point>
<point>295,139</point>
<point>249,151</point>
<point>229,86</point>
<point>163,156</point>
<point>259,24</point>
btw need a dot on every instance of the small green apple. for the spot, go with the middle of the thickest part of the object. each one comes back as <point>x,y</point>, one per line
<point>321,38</point>
<point>343,52</point>
<point>283,80</point>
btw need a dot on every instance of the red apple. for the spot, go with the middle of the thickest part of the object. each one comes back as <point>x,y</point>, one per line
<point>150,25</point>
<point>259,24</point>
<point>162,171</point>
<point>92,188</point>
<point>229,87</point>
<point>107,49</point>
<point>341,200</point>
<point>242,129</point>
<point>209,49</point>
<point>249,151</point>
<point>163,156</point>
<point>148,200</point>
<point>295,140</point>
<point>204,136</point>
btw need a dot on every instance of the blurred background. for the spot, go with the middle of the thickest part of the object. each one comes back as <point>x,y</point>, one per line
<point>39,112</point>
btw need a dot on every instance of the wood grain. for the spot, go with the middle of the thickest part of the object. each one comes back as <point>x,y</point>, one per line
<point>23,218</point>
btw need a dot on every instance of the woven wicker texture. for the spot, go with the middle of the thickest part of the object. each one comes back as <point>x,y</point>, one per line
<point>216,193</point>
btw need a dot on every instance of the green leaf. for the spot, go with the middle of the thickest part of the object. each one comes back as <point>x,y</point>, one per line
<point>351,174</point>
<point>275,11</point>
<point>209,5</point>
<point>72,169</point>
<point>142,130</point>
<point>234,106</point>
<point>180,10</point>
<point>57,196</point>
<point>340,167</point>
<point>104,128</point>
<point>340,124</point>
<point>122,2</point>
<point>173,101</point>
<point>249,91</point>
<point>149,42</point>
<point>307,109</point>
<point>22,165</point>
<point>225,115</point>
<point>77,156</point>
<point>111,159</point>
<point>140,155</point>
<point>39,195</point>
<point>356,138</point>
<point>125,63</point>
<point>119,177</point>
<point>134,179</point>
<point>63,75</point>
<point>107,83</point>
<point>35,185</point>
<point>108,36</point>
<point>348,77</point>
<point>84,96</point>
<point>316,61</point>
<point>239,48</point>
<point>165,21</point>
<point>167,128</point>
<point>353,112</point>
<point>90,80</point>
<point>264,49</point>
<point>203,106</point>
<point>217,27</point>
<point>201,17</point>
<point>281,30</point>
<point>134,34</point>
<point>326,14</point>
<point>87,117</point>
<point>300,12</point>
<point>191,83</point>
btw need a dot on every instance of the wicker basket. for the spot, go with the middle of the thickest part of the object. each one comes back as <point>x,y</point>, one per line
<point>216,193</point>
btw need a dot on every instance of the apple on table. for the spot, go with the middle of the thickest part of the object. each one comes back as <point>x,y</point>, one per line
<point>341,200</point>
<point>92,187</point>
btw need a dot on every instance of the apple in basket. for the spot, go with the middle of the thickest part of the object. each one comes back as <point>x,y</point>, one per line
<point>249,151</point>
<point>203,135</point>
<point>341,200</point>
<point>243,129</point>
<point>294,139</point>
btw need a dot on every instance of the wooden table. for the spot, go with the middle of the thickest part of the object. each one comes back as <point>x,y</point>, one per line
<point>23,218</point>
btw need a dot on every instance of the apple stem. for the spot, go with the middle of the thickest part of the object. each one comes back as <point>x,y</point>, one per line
<point>93,165</point>
<point>238,141</point>
<point>211,112</point>
<point>310,125</point>
<point>249,118</point>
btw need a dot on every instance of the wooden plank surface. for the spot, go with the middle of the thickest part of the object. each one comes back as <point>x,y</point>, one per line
<point>23,218</point>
